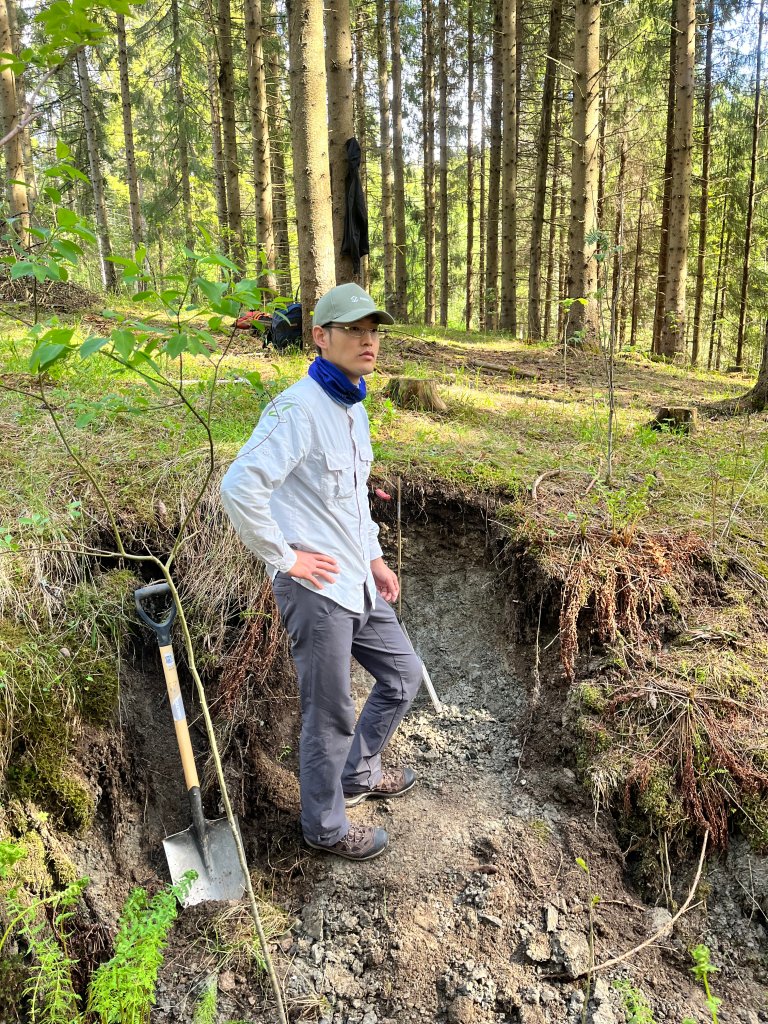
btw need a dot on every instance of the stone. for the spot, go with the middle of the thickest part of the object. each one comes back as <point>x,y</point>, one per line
<point>462,1011</point>
<point>657,919</point>
<point>490,919</point>
<point>551,918</point>
<point>571,950</point>
<point>538,948</point>
<point>227,981</point>
<point>312,920</point>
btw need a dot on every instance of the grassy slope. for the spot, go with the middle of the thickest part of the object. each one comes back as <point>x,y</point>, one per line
<point>514,412</point>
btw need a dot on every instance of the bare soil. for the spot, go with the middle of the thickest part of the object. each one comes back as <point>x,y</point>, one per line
<point>481,910</point>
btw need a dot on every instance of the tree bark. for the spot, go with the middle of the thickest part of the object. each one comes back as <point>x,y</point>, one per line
<point>718,277</point>
<point>21,102</point>
<point>582,319</point>
<point>130,154</point>
<point>552,227</point>
<point>673,327</point>
<point>18,199</point>
<point>442,119</point>
<point>483,216</point>
<point>229,133</point>
<point>182,136</point>
<point>636,277</point>
<point>398,167</point>
<point>704,205</point>
<point>219,178</point>
<point>661,280</point>
<point>108,275</point>
<point>508,313</point>
<point>428,132</point>
<point>385,156</point>
<point>360,119</point>
<point>468,290</point>
<point>260,144</point>
<point>341,122</point>
<point>542,162</point>
<point>309,131</point>
<point>494,178</point>
<point>750,198</point>
<point>279,125</point>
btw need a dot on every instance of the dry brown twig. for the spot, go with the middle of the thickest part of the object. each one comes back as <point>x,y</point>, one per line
<point>665,928</point>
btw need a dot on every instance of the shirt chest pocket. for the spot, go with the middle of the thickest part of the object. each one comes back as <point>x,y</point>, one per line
<point>338,477</point>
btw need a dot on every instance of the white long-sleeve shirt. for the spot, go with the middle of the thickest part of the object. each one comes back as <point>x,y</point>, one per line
<point>300,482</point>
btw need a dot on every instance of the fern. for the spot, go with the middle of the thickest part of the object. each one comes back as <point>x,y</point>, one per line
<point>123,989</point>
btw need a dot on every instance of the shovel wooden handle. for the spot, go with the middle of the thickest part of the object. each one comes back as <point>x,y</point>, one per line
<point>179,716</point>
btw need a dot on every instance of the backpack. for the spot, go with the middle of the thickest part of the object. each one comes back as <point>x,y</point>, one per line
<point>253,320</point>
<point>285,331</point>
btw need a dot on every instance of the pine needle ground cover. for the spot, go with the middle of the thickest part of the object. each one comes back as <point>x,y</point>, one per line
<point>663,565</point>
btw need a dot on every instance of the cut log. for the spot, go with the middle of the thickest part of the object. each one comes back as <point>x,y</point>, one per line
<point>677,418</point>
<point>415,393</point>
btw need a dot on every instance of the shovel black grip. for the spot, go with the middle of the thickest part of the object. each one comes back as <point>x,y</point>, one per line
<point>163,629</point>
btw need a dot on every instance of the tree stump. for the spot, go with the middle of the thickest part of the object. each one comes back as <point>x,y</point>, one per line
<point>415,393</point>
<point>678,418</point>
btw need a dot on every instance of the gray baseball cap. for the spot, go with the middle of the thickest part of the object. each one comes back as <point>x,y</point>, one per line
<point>346,303</point>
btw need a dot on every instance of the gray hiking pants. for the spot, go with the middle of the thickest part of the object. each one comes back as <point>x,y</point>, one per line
<point>335,755</point>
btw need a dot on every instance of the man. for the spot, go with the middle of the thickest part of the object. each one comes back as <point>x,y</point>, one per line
<point>297,496</point>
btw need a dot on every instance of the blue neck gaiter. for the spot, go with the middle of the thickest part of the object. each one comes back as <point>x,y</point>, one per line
<point>336,384</point>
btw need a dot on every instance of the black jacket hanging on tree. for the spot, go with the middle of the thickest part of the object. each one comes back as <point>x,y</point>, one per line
<point>355,241</point>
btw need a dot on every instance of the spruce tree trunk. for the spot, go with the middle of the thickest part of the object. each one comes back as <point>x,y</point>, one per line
<point>661,280</point>
<point>442,120</point>
<point>704,205</point>
<point>673,327</point>
<point>618,238</point>
<point>494,178</point>
<point>542,161</point>
<point>582,320</point>
<point>108,275</point>
<point>311,178</point>
<point>341,122</point>
<point>552,226</point>
<point>385,156</point>
<point>21,104</point>
<point>750,198</point>
<point>182,142</point>
<point>508,315</point>
<point>398,166</point>
<point>361,131</point>
<point>468,291</point>
<point>428,132</point>
<point>130,155</point>
<point>603,124</point>
<point>229,134</point>
<point>635,315</point>
<point>260,144</point>
<point>723,296</point>
<point>219,178</point>
<point>483,218</point>
<point>18,200</point>
<point>279,123</point>
<point>718,277</point>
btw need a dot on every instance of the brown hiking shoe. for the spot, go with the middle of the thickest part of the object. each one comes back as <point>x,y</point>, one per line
<point>362,842</point>
<point>394,782</point>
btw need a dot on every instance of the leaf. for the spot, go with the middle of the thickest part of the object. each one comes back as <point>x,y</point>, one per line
<point>213,290</point>
<point>124,342</point>
<point>52,193</point>
<point>62,150</point>
<point>582,864</point>
<point>93,344</point>
<point>68,250</point>
<point>46,355</point>
<point>84,232</point>
<point>22,268</point>
<point>65,217</point>
<point>254,378</point>
<point>176,345</point>
<point>147,296</point>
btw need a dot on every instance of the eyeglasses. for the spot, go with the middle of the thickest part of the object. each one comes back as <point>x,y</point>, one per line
<point>358,333</point>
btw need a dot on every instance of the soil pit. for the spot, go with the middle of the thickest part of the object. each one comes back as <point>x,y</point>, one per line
<point>482,909</point>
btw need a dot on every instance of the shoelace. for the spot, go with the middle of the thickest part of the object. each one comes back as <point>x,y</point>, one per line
<point>356,834</point>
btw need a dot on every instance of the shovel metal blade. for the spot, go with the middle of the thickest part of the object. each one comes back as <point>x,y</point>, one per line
<point>223,879</point>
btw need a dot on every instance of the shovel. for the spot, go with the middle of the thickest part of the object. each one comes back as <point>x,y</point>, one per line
<point>436,704</point>
<point>206,847</point>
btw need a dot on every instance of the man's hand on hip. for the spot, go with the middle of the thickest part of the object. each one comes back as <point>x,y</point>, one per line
<point>386,581</point>
<point>314,566</point>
